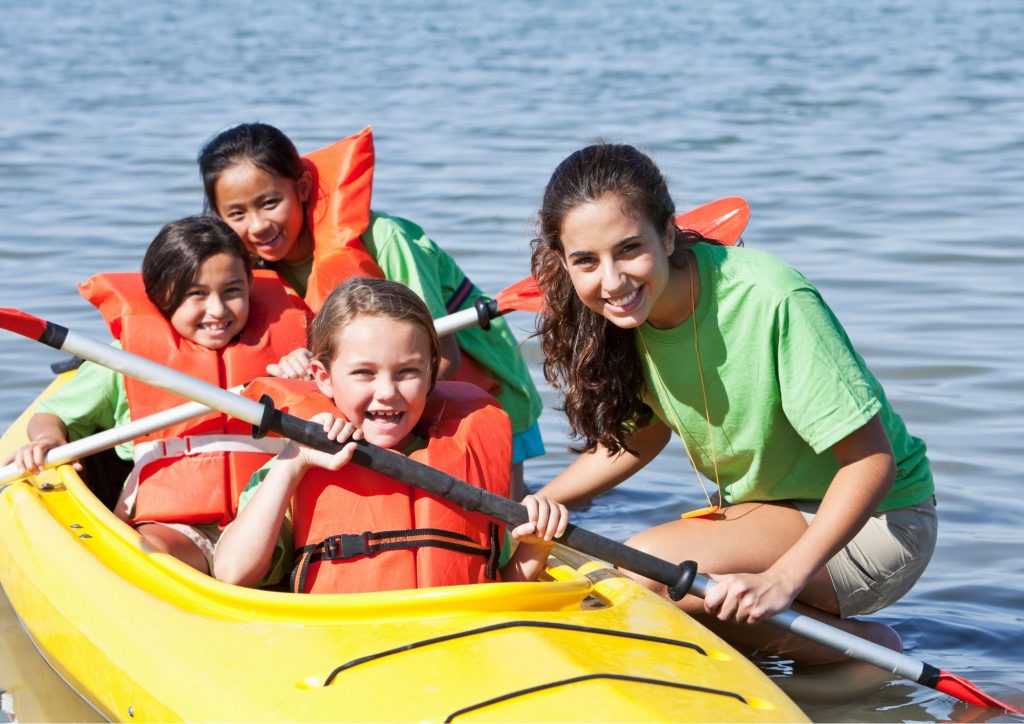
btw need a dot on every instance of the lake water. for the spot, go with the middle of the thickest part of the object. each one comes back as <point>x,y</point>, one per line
<point>879,144</point>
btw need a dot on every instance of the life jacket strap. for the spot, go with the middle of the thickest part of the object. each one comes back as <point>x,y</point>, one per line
<point>344,546</point>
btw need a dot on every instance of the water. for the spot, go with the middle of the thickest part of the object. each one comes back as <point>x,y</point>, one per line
<point>879,145</point>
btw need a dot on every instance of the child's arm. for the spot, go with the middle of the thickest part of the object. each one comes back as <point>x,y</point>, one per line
<point>536,537</point>
<point>45,432</point>
<point>91,400</point>
<point>245,549</point>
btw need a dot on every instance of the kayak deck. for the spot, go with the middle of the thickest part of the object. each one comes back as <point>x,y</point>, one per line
<point>143,637</point>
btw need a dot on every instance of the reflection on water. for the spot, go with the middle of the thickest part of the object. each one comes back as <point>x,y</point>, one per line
<point>878,144</point>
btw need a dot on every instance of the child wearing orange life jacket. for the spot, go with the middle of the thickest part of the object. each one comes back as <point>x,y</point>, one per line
<point>199,308</point>
<point>375,367</point>
<point>309,219</point>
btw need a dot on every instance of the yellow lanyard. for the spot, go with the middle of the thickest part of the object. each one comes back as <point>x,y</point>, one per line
<point>711,507</point>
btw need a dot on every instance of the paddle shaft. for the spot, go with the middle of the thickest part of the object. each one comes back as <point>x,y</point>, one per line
<point>266,417</point>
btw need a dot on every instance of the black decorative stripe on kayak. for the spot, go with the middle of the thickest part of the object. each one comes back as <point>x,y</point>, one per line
<point>513,624</point>
<point>591,677</point>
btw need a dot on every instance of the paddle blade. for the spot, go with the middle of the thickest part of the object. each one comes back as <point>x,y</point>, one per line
<point>724,219</point>
<point>964,690</point>
<point>21,323</point>
<point>523,296</point>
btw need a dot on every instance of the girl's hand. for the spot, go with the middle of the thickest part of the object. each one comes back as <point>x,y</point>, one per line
<point>337,429</point>
<point>548,520</point>
<point>32,457</point>
<point>293,366</point>
<point>748,597</point>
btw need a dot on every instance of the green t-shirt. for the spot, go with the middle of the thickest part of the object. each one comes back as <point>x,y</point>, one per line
<point>406,254</point>
<point>783,384</point>
<point>93,400</point>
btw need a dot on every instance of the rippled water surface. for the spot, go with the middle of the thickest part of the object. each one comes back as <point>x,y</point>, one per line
<point>879,145</point>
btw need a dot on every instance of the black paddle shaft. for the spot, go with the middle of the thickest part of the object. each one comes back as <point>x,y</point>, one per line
<point>677,578</point>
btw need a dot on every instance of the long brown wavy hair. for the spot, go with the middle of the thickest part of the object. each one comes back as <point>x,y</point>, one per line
<point>594,363</point>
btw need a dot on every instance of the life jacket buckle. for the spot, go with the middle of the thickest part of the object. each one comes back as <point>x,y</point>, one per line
<point>346,545</point>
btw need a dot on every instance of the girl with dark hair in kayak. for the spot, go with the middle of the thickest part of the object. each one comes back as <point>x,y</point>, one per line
<point>198,307</point>
<point>822,500</point>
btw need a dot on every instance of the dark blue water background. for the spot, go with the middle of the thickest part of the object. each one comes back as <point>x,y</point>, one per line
<point>880,145</point>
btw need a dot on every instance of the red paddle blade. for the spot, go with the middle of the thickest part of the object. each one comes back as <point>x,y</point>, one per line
<point>21,323</point>
<point>523,296</point>
<point>724,219</point>
<point>964,690</point>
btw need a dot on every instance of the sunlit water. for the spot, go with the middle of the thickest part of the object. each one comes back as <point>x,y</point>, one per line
<point>879,145</point>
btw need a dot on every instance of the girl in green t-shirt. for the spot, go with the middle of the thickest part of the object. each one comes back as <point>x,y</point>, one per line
<point>822,499</point>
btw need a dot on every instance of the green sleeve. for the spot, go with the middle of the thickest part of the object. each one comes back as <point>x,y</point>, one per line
<point>406,254</point>
<point>92,401</point>
<point>826,391</point>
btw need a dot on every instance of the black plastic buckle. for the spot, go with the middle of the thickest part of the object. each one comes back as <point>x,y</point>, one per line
<point>346,545</point>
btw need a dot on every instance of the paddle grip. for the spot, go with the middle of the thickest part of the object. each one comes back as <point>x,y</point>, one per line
<point>486,310</point>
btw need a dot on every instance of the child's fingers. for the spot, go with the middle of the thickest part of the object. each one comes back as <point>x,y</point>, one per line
<point>558,521</point>
<point>20,460</point>
<point>336,429</point>
<point>39,457</point>
<point>539,509</point>
<point>525,530</point>
<point>294,365</point>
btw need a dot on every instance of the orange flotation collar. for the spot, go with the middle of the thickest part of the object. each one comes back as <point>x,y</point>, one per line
<point>338,213</point>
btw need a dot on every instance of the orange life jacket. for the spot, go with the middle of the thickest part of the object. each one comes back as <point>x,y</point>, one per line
<point>185,473</point>
<point>357,530</point>
<point>338,213</point>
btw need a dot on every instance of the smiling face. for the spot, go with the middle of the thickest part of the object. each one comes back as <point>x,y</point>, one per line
<point>216,305</point>
<point>380,378</point>
<point>266,211</point>
<point>620,266</point>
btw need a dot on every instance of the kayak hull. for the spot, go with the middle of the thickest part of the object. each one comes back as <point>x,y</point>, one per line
<point>142,637</point>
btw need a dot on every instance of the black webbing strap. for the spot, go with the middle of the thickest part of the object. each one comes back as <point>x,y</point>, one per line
<point>357,545</point>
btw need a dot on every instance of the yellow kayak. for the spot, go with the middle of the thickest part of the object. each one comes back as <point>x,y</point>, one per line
<point>142,637</point>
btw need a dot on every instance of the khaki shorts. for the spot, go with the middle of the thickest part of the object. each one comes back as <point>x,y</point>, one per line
<point>884,560</point>
<point>204,536</point>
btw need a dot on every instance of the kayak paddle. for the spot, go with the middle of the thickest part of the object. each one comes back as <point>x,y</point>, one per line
<point>680,579</point>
